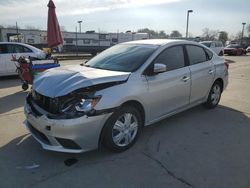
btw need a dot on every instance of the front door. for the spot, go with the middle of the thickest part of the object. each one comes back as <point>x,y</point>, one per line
<point>170,90</point>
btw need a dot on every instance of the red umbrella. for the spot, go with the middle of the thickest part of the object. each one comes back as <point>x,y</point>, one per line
<point>54,34</point>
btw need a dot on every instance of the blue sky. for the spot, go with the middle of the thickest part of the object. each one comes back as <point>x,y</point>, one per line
<point>123,15</point>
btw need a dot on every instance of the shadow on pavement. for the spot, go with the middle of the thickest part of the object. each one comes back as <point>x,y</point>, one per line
<point>9,81</point>
<point>196,148</point>
<point>12,101</point>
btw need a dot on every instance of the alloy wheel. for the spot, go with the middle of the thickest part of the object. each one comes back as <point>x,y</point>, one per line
<point>125,129</point>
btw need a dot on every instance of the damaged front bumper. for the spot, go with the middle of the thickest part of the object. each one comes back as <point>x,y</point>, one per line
<point>64,135</point>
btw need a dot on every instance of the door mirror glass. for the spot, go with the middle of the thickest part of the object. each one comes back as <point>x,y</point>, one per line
<point>158,68</point>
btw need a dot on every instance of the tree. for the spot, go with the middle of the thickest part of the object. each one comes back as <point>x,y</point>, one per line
<point>162,34</point>
<point>223,37</point>
<point>151,33</point>
<point>209,34</point>
<point>238,35</point>
<point>175,34</point>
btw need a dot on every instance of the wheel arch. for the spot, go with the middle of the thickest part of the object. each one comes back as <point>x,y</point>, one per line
<point>220,80</point>
<point>133,103</point>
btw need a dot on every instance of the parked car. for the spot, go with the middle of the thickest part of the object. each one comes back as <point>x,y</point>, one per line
<point>216,46</point>
<point>234,49</point>
<point>248,49</point>
<point>7,49</point>
<point>114,95</point>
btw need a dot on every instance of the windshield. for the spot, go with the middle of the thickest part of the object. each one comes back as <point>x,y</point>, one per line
<point>207,44</point>
<point>122,57</point>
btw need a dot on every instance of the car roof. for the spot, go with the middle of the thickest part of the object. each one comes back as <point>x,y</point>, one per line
<point>23,44</point>
<point>210,41</point>
<point>160,42</point>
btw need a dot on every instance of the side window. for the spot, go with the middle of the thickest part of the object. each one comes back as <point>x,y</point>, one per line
<point>3,49</point>
<point>26,50</point>
<point>218,44</point>
<point>13,48</point>
<point>196,54</point>
<point>18,49</point>
<point>212,45</point>
<point>172,57</point>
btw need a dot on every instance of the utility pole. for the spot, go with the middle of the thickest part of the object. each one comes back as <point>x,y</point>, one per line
<point>76,43</point>
<point>243,26</point>
<point>17,33</point>
<point>189,11</point>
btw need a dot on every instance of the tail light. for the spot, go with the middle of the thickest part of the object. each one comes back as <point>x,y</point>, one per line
<point>226,64</point>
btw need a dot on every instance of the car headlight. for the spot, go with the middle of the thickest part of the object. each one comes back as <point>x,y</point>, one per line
<point>86,105</point>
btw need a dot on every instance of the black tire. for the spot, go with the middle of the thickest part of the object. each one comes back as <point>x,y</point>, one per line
<point>25,86</point>
<point>212,101</point>
<point>111,132</point>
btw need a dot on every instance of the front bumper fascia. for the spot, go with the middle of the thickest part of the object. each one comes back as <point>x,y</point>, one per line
<point>83,131</point>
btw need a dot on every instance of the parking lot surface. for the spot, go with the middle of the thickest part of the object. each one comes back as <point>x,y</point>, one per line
<point>196,148</point>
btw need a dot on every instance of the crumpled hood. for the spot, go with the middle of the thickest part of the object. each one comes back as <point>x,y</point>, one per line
<point>63,80</point>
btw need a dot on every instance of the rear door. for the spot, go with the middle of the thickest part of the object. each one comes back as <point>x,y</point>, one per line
<point>170,90</point>
<point>16,50</point>
<point>202,72</point>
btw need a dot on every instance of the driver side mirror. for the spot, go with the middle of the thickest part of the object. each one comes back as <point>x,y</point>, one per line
<point>159,68</point>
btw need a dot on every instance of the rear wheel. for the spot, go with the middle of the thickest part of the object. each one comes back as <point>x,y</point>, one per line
<point>122,129</point>
<point>214,95</point>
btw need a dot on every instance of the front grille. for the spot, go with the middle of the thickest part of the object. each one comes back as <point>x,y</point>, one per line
<point>49,104</point>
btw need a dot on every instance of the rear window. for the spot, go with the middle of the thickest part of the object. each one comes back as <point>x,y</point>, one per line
<point>207,44</point>
<point>233,46</point>
<point>218,44</point>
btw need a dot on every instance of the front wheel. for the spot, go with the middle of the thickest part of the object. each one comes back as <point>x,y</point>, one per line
<point>122,129</point>
<point>214,95</point>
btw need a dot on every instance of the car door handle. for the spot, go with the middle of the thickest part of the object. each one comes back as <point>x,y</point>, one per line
<point>185,78</point>
<point>210,72</point>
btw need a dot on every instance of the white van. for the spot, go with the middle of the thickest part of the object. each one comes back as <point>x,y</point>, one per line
<point>7,49</point>
<point>216,46</point>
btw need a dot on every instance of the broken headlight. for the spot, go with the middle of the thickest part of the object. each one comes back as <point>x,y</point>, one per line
<point>79,105</point>
<point>87,105</point>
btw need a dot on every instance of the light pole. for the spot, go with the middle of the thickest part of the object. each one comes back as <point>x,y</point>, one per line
<point>80,25</point>
<point>243,26</point>
<point>17,33</point>
<point>76,43</point>
<point>189,11</point>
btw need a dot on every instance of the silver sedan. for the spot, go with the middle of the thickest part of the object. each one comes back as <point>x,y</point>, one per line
<point>108,100</point>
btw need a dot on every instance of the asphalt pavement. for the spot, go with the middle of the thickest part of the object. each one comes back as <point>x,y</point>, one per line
<point>197,148</point>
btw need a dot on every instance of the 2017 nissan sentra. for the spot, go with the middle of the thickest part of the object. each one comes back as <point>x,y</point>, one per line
<point>108,100</point>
